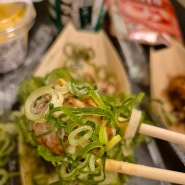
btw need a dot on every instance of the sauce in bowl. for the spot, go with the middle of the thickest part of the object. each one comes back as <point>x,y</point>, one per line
<point>16,19</point>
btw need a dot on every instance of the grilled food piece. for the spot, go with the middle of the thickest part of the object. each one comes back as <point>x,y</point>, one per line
<point>176,96</point>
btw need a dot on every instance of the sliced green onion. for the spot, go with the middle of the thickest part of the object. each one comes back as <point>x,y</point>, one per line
<point>48,156</point>
<point>68,111</point>
<point>93,122</point>
<point>90,111</point>
<point>7,145</point>
<point>115,140</point>
<point>94,177</point>
<point>4,176</point>
<point>85,163</point>
<point>63,89</point>
<point>66,173</point>
<point>40,179</point>
<point>56,99</point>
<point>59,73</point>
<point>51,80</point>
<point>30,103</point>
<point>103,135</point>
<point>10,128</point>
<point>92,162</point>
<point>4,160</point>
<point>71,149</point>
<point>97,99</point>
<point>75,138</point>
<point>91,146</point>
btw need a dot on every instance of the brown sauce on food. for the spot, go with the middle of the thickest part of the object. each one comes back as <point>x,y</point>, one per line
<point>176,96</point>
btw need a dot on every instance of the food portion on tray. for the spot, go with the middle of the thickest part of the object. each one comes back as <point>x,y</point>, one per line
<point>167,85</point>
<point>69,132</point>
<point>175,93</point>
<point>74,128</point>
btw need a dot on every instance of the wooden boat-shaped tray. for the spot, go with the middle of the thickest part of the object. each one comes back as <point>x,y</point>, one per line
<point>165,64</point>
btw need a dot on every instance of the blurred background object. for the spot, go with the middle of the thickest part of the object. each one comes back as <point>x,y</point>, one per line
<point>36,1</point>
<point>84,14</point>
<point>182,2</point>
<point>180,13</point>
<point>148,22</point>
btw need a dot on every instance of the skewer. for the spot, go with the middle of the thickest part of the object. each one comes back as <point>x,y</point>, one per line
<point>150,130</point>
<point>145,171</point>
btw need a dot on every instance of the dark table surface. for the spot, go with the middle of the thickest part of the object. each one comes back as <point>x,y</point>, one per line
<point>180,12</point>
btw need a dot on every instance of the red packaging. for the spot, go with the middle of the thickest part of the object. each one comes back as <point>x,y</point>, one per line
<point>147,21</point>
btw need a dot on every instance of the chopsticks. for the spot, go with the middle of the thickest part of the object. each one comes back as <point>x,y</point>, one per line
<point>150,130</point>
<point>162,134</point>
<point>145,171</point>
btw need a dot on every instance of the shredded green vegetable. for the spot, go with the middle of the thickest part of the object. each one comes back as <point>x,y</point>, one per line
<point>7,146</point>
<point>77,126</point>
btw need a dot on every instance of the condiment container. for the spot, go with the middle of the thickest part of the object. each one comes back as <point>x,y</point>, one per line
<point>84,14</point>
<point>16,19</point>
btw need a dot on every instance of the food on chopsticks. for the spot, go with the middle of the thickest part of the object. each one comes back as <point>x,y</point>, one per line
<point>74,125</point>
<point>70,133</point>
<point>81,131</point>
